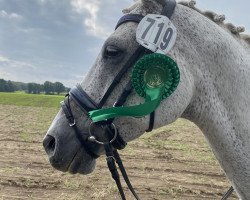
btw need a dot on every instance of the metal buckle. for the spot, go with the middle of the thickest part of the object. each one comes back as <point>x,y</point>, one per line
<point>110,157</point>
<point>92,138</point>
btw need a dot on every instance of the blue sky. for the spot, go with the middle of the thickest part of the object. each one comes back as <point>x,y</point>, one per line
<point>58,40</point>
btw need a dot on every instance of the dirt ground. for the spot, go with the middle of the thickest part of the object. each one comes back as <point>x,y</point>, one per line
<point>173,162</point>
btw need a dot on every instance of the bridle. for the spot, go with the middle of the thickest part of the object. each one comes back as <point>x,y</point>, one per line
<point>86,104</point>
<point>90,142</point>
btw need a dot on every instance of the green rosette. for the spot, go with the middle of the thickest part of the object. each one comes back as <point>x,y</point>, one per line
<point>154,77</point>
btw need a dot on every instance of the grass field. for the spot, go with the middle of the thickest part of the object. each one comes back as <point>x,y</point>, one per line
<point>33,100</point>
<point>173,162</point>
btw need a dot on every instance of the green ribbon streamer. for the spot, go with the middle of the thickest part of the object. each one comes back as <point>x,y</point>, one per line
<point>152,101</point>
<point>154,77</point>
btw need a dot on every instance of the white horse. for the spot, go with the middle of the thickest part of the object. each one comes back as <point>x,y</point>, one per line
<point>214,91</point>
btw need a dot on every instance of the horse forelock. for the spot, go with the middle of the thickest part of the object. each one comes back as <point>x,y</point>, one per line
<point>154,6</point>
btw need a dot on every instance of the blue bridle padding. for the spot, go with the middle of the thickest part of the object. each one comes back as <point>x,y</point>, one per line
<point>129,18</point>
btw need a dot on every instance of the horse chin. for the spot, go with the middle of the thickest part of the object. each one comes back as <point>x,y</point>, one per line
<point>82,164</point>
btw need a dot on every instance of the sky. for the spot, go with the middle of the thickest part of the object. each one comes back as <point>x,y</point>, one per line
<point>58,40</point>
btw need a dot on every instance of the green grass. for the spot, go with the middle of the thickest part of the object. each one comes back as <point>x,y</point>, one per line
<point>33,100</point>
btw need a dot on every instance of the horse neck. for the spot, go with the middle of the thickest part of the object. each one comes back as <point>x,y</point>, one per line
<point>219,64</point>
<point>220,105</point>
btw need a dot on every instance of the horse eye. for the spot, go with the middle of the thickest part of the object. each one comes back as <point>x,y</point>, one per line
<point>112,51</point>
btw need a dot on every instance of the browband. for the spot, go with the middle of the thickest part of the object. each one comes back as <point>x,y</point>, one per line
<point>129,18</point>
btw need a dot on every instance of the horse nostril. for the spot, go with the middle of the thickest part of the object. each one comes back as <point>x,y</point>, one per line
<point>49,144</point>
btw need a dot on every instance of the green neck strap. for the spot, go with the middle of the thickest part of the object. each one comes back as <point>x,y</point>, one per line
<point>154,77</point>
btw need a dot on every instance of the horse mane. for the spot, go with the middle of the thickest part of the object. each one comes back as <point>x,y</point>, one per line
<point>219,19</point>
<point>236,31</point>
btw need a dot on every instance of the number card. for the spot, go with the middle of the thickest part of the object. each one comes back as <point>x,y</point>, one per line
<point>156,33</point>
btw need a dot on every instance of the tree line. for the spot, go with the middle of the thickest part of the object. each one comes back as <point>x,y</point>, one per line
<point>6,86</point>
<point>33,88</point>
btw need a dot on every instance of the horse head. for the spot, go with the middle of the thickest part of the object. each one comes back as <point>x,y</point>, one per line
<point>64,150</point>
<point>201,50</point>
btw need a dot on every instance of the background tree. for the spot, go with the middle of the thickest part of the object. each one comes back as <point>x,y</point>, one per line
<point>19,86</point>
<point>11,87</point>
<point>67,89</point>
<point>6,86</point>
<point>2,85</point>
<point>30,88</point>
<point>34,88</point>
<point>37,88</point>
<point>48,87</point>
<point>59,87</point>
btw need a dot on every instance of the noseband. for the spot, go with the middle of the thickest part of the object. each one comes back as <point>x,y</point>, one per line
<point>89,141</point>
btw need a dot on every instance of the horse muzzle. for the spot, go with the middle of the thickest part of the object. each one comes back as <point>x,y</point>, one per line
<point>66,153</point>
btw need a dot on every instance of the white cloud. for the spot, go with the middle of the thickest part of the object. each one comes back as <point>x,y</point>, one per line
<point>3,59</point>
<point>6,75</point>
<point>25,71</point>
<point>15,64</point>
<point>91,8</point>
<point>3,13</point>
<point>15,16</point>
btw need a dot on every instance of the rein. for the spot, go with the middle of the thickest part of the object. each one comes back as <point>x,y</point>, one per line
<point>92,145</point>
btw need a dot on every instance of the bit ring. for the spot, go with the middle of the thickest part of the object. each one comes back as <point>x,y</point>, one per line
<point>92,138</point>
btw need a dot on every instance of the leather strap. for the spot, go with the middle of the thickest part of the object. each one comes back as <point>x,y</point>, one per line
<point>151,122</point>
<point>129,18</point>
<point>135,56</point>
<point>168,9</point>
<point>86,104</point>
<point>122,98</point>
<point>68,113</point>
<point>228,193</point>
<point>113,169</point>
<point>82,137</point>
<point>124,95</point>
<point>124,173</point>
<point>82,99</point>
